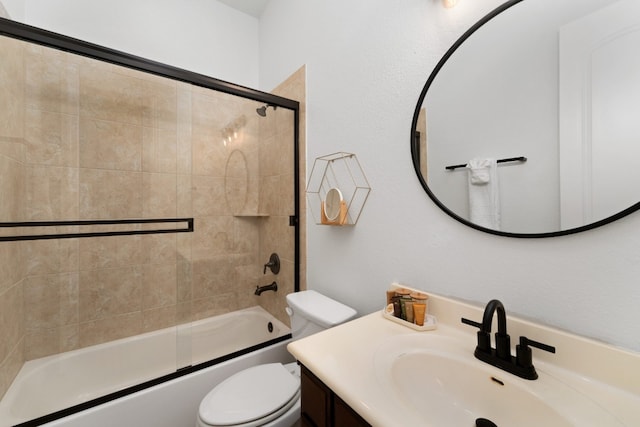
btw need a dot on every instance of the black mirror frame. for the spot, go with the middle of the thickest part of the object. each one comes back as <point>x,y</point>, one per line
<point>415,147</point>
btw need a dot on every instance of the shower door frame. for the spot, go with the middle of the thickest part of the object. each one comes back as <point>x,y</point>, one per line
<point>57,41</point>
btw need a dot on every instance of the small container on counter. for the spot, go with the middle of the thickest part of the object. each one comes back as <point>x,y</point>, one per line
<point>397,307</point>
<point>419,307</point>
<point>403,295</point>
<point>408,305</point>
<point>420,312</point>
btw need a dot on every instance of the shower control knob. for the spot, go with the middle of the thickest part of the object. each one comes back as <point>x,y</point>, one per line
<point>273,264</point>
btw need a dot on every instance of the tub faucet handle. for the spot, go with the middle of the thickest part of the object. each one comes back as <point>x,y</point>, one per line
<point>273,264</point>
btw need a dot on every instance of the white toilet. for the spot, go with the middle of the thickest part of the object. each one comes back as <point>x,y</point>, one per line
<point>269,395</point>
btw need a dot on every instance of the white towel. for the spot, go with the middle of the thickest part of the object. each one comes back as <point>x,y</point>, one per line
<point>484,194</point>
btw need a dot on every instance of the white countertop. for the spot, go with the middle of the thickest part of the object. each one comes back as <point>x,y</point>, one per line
<point>343,358</point>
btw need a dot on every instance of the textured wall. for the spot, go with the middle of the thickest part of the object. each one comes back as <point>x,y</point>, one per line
<point>366,63</point>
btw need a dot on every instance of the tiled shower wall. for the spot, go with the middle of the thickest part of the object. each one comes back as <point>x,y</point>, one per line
<point>83,139</point>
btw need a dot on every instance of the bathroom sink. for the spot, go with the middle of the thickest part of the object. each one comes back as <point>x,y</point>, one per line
<point>438,379</point>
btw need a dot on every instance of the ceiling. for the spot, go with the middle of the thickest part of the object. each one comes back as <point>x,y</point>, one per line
<point>250,7</point>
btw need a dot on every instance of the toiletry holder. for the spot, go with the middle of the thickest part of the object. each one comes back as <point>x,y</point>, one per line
<point>430,322</point>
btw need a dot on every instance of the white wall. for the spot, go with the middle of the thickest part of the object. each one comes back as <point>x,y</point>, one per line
<point>204,36</point>
<point>367,61</point>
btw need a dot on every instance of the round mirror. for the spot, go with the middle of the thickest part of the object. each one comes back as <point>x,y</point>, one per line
<point>332,203</point>
<point>236,182</point>
<point>541,98</point>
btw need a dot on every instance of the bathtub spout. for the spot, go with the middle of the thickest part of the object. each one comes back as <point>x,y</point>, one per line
<point>260,289</point>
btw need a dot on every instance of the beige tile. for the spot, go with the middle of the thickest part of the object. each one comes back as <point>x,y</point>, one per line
<point>159,152</point>
<point>41,343</point>
<point>11,319</point>
<point>108,194</point>
<point>213,276</point>
<point>208,152</point>
<point>184,315</point>
<point>247,234</point>
<point>184,155</point>
<point>13,148</point>
<point>107,293</point>
<point>159,195</point>
<point>208,195</point>
<point>159,318</point>
<point>277,236</point>
<point>42,297</point>
<point>52,301</point>
<point>12,186</point>
<point>159,287</point>
<point>236,195</point>
<point>243,180</point>
<point>52,80</point>
<point>184,247</point>
<point>185,199</point>
<point>51,138</point>
<point>110,145</point>
<point>10,367</point>
<point>159,100</point>
<point>69,337</point>
<point>108,95</point>
<point>213,236</point>
<point>159,248</point>
<point>111,252</point>
<point>12,264</point>
<point>50,256</point>
<point>184,282</point>
<point>272,197</point>
<point>247,278</point>
<point>276,155</point>
<point>51,193</point>
<point>12,87</point>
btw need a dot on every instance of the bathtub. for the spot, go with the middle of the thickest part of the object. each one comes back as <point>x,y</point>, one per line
<point>44,386</point>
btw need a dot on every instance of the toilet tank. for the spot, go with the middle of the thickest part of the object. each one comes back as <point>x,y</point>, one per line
<point>312,312</point>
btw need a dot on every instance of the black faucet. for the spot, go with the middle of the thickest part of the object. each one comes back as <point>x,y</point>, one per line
<point>272,287</point>
<point>500,357</point>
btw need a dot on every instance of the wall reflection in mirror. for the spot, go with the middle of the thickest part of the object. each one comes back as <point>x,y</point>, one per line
<point>555,82</point>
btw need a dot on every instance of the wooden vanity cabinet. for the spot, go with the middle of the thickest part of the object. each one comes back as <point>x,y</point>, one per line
<point>321,407</point>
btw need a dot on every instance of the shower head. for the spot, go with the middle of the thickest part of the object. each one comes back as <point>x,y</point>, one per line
<point>262,111</point>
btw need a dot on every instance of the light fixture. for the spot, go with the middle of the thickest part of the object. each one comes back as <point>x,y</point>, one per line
<point>449,3</point>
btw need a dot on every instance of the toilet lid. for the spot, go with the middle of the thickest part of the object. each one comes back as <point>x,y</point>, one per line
<point>249,395</point>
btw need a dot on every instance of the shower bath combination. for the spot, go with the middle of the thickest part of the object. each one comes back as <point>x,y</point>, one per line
<point>124,276</point>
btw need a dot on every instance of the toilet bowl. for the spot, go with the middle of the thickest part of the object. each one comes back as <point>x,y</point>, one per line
<point>263,395</point>
<point>268,395</point>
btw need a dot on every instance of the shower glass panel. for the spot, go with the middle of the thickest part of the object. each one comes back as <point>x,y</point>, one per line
<point>138,207</point>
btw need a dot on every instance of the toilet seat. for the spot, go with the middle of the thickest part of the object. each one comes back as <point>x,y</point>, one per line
<point>251,397</point>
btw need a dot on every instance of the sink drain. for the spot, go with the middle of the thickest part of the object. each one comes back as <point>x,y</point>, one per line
<point>483,422</point>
